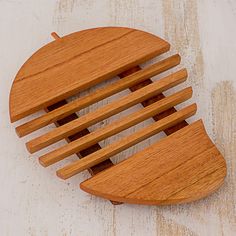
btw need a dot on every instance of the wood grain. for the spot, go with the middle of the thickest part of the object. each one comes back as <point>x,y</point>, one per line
<point>104,112</point>
<point>107,111</point>
<point>93,148</point>
<point>120,145</point>
<point>115,127</point>
<point>29,191</point>
<point>187,171</point>
<point>106,49</point>
<point>153,99</point>
<point>100,94</point>
<point>158,67</point>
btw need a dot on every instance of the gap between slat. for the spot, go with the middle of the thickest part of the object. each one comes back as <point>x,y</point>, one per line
<point>115,127</point>
<point>116,147</point>
<point>107,111</point>
<point>100,94</point>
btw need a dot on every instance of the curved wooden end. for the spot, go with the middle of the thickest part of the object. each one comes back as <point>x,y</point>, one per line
<point>77,61</point>
<point>182,167</point>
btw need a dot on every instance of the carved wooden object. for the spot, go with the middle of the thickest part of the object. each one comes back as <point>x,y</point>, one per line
<point>183,167</point>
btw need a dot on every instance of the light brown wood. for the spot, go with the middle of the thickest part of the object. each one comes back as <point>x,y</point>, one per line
<point>100,94</point>
<point>209,54</point>
<point>76,62</point>
<point>116,147</point>
<point>106,111</point>
<point>115,127</point>
<point>55,35</point>
<point>182,167</point>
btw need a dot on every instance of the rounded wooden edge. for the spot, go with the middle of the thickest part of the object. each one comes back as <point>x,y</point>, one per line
<point>14,117</point>
<point>44,47</point>
<point>173,199</point>
<point>170,201</point>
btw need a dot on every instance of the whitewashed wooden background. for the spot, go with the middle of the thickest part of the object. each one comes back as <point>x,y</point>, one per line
<point>34,202</point>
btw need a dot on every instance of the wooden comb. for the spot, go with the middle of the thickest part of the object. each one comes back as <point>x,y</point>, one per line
<point>182,167</point>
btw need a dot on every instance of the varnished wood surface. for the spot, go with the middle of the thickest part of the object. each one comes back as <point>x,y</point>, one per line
<point>110,109</point>
<point>116,127</point>
<point>207,49</point>
<point>78,104</point>
<point>95,55</point>
<point>86,151</point>
<point>113,108</point>
<point>128,141</point>
<point>183,167</point>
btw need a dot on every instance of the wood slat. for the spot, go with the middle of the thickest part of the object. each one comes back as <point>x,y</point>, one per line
<point>115,127</point>
<point>116,147</point>
<point>97,168</point>
<point>98,95</point>
<point>107,163</point>
<point>153,99</point>
<point>106,111</point>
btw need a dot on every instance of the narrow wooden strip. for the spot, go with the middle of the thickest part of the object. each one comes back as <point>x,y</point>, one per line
<point>107,163</point>
<point>153,99</point>
<point>94,169</point>
<point>98,95</point>
<point>124,143</point>
<point>106,111</point>
<point>115,127</point>
<point>55,35</point>
<point>97,168</point>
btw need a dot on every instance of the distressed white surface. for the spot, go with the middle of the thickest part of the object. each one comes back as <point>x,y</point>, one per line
<point>34,202</point>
